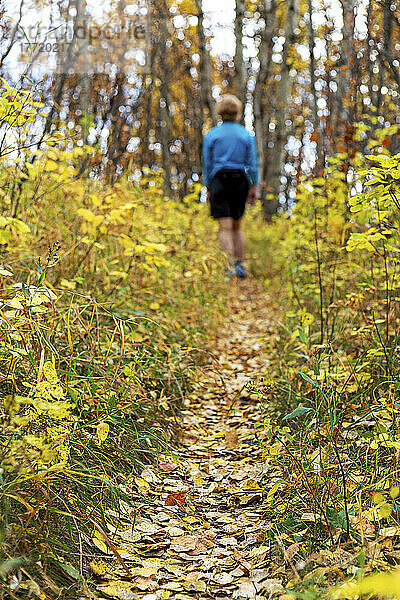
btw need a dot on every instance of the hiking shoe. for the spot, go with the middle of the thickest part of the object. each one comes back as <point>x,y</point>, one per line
<point>240,269</point>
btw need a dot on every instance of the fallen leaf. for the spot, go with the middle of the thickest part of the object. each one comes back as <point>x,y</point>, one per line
<point>195,586</point>
<point>101,545</point>
<point>98,568</point>
<point>231,439</point>
<point>183,543</point>
<point>145,584</point>
<point>270,587</point>
<point>142,485</point>
<point>175,531</point>
<point>149,476</point>
<point>176,499</point>
<point>223,578</point>
<point>246,590</point>
<point>129,536</point>
<point>122,590</point>
<point>291,551</point>
<point>167,466</point>
<point>199,549</point>
<point>146,526</point>
<point>102,431</point>
<point>146,572</point>
<point>244,563</point>
<point>228,541</point>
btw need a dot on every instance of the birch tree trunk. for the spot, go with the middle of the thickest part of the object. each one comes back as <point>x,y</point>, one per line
<point>264,57</point>
<point>311,45</point>
<point>343,103</point>
<point>206,82</point>
<point>275,163</point>
<point>165,115</point>
<point>64,64</point>
<point>240,68</point>
<point>207,103</point>
<point>12,35</point>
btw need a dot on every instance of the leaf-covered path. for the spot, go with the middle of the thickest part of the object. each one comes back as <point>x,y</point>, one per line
<point>200,529</point>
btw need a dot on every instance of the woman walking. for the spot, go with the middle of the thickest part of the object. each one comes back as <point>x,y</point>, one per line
<point>230,172</point>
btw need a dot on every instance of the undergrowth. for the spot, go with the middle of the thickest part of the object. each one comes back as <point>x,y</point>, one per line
<point>108,295</point>
<point>331,393</point>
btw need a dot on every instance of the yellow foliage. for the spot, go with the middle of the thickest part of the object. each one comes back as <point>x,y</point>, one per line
<point>386,585</point>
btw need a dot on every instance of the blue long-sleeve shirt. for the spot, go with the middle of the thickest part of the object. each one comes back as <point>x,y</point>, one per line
<point>229,146</point>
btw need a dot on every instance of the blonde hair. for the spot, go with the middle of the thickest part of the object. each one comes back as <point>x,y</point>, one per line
<point>229,108</point>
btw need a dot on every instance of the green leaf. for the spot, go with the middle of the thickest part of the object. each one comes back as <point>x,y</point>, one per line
<point>302,336</point>
<point>298,412</point>
<point>72,572</point>
<point>307,378</point>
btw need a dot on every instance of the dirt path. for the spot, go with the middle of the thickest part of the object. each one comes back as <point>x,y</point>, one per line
<point>200,532</point>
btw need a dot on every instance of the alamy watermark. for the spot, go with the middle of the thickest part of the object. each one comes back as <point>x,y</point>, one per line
<point>72,46</point>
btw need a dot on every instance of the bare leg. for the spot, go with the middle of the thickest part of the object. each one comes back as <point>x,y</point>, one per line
<point>225,236</point>
<point>238,240</point>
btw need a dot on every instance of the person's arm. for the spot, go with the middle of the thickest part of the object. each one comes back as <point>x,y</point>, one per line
<point>253,170</point>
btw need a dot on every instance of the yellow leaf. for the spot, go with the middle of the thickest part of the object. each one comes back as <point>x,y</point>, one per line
<point>98,568</point>
<point>381,584</point>
<point>142,485</point>
<point>385,510</point>
<point>102,432</point>
<point>15,303</point>
<point>100,545</point>
<point>119,274</point>
<point>394,492</point>
<point>50,372</point>
<point>51,165</point>
<point>378,498</point>
<point>70,285</point>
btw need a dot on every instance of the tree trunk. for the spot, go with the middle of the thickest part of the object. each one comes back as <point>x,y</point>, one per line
<point>13,34</point>
<point>275,163</point>
<point>64,62</point>
<point>165,115</point>
<point>206,82</point>
<point>207,102</point>
<point>240,68</point>
<point>343,98</point>
<point>264,57</point>
<point>311,45</point>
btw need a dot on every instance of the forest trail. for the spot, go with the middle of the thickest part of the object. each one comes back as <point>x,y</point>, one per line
<point>200,531</point>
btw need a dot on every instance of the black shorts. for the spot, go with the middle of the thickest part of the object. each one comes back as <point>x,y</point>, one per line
<point>228,194</point>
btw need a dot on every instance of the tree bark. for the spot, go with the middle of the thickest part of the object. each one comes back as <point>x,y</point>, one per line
<point>343,95</point>
<point>165,115</point>
<point>275,163</point>
<point>264,56</point>
<point>207,107</point>
<point>206,82</point>
<point>12,35</point>
<point>240,67</point>
<point>67,61</point>
<point>311,45</point>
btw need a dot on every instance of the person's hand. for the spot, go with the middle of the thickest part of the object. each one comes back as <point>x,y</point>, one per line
<point>253,194</point>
